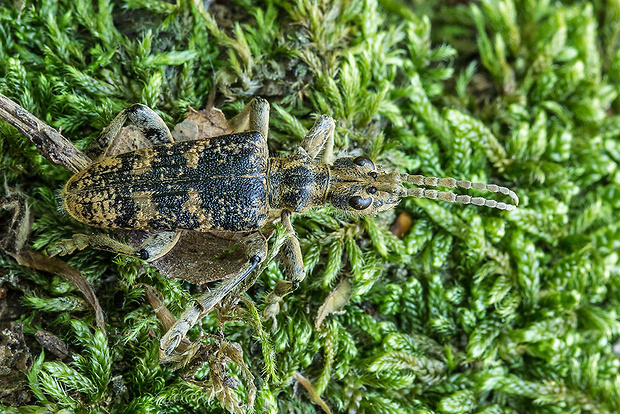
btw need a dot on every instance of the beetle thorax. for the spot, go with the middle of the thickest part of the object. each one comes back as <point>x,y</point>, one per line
<point>297,183</point>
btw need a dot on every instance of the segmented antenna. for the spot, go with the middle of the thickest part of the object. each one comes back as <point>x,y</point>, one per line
<point>450,197</point>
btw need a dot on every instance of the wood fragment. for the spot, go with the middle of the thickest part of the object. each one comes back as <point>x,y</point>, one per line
<point>49,142</point>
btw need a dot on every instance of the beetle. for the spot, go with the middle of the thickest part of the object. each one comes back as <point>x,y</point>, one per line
<point>229,185</point>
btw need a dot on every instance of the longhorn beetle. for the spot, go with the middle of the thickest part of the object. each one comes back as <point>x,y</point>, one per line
<point>229,185</point>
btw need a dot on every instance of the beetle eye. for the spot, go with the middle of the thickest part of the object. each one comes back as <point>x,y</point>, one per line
<point>359,203</point>
<point>362,161</point>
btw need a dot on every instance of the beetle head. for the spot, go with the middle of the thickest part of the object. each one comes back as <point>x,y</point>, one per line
<point>357,185</point>
<point>354,187</point>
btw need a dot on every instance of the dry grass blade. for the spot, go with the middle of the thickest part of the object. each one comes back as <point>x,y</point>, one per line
<point>314,395</point>
<point>39,261</point>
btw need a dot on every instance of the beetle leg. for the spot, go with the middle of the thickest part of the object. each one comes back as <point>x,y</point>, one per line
<point>157,245</point>
<point>294,269</point>
<point>144,118</point>
<point>98,241</point>
<point>321,137</point>
<point>254,117</point>
<point>255,247</point>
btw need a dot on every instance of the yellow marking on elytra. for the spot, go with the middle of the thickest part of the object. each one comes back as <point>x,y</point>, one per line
<point>110,164</point>
<point>99,197</point>
<point>109,210</point>
<point>205,219</point>
<point>146,210</point>
<point>193,206</point>
<point>143,160</point>
<point>193,155</point>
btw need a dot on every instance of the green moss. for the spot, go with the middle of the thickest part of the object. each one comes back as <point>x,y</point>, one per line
<point>473,310</point>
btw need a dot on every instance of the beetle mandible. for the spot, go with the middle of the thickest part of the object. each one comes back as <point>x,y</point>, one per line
<point>229,184</point>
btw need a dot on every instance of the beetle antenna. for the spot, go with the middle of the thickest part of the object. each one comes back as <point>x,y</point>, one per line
<point>392,183</point>
<point>450,197</point>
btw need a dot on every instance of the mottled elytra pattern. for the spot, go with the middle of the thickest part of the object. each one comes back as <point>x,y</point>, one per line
<point>216,184</point>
